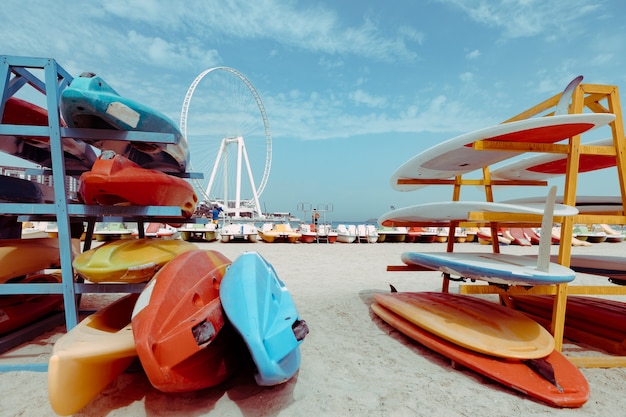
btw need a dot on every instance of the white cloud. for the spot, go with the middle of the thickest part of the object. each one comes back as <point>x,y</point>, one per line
<point>525,18</point>
<point>473,54</point>
<point>361,97</point>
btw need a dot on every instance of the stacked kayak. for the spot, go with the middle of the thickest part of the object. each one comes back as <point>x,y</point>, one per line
<point>128,260</point>
<point>115,179</point>
<point>89,102</point>
<point>78,155</point>
<point>195,322</point>
<point>183,339</point>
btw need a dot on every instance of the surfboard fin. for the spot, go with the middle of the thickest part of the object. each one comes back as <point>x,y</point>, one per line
<point>543,259</point>
<point>543,368</point>
<point>562,106</point>
<point>393,289</point>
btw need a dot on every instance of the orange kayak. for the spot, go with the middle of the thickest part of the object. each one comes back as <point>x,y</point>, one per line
<point>183,339</point>
<point>115,179</point>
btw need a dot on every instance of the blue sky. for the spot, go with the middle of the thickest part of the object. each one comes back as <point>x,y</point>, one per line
<point>352,89</point>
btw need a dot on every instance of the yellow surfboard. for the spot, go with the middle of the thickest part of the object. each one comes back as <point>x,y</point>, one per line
<point>89,357</point>
<point>128,261</point>
<point>476,324</point>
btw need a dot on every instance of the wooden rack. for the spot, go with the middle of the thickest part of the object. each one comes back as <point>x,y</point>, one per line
<point>593,97</point>
<point>15,73</point>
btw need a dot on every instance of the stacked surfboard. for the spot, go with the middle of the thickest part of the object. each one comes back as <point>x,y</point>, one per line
<point>497,342</point>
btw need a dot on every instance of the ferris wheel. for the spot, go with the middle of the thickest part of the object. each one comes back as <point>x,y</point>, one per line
<point>229,139</point>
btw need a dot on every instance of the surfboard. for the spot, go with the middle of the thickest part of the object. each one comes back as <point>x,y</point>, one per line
<point>497,268</point>
<point>89,102</point>
<point>261,309</point>
<point>475,324</point>
<point>78,155</point>
<point>585,204</point>
<point>545,166</point>
<point>90,356</point>
<point>613,267</point>
<point>115,179</point>
<point>128,260</point>
<point>183,339</point>
<point>595,321</point>
<point>457,157</point>
<point>571,388</point>
<point>446,211</point>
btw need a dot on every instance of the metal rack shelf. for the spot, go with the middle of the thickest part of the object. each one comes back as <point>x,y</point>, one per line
<point>50,79</point>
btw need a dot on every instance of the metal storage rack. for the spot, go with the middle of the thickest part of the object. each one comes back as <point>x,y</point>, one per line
<point>50,79</point>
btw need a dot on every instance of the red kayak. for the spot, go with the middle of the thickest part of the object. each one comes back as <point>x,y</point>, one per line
<point>183,339</point>
<point>22,309</point>
<point>115,179</point>
<point>78,155</point>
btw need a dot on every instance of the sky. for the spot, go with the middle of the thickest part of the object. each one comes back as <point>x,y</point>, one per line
<point>351,89</point>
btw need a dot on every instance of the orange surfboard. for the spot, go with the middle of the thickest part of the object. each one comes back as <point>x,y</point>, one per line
<point>571,388</point>
<point>475,324</point>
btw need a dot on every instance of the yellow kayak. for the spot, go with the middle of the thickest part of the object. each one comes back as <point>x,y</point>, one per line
<point>89,357</point>
<point>20,257</point>
<point>128,261</point>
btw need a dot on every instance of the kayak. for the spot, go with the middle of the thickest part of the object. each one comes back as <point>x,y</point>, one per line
<point>183,340</point>
<point>115,179</point>
<point>89,102</point>
<point>78,155</point>
<point>90,356</point>
<point>259,306</point>
<point>128,260</point>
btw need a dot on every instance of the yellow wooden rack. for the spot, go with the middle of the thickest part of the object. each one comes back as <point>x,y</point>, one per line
<point>586,97</point>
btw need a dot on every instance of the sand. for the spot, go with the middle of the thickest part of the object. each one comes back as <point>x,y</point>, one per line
<point>352,363</point>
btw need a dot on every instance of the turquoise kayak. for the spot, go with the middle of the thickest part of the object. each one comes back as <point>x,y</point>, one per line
<point>89,102</point>
<point>260,308</point>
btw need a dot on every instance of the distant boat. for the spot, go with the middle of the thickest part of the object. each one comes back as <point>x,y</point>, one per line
<point>281,232</point>
<point>346,233</point>
<point>199,232</point>
<point>238,232</point>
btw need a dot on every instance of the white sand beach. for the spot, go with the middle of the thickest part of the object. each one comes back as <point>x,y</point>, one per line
<point>353,364</point>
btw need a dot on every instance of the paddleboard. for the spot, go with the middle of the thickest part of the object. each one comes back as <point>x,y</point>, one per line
<point>446,211</point>
<point>20,310</point>
<point>261,309</point>
<point>90,356</point>
<point>78,155</point>
<point>115,179</point>
<point>89,102</point>
<point>595,321</point>
<point>128,260</point>
<point>512,373</point>
<point>457,157</point>
<point>613,267</point>
<point>183,340</point>
<point>545,166</point>
<point>497,268</point>
<point>473,323</point>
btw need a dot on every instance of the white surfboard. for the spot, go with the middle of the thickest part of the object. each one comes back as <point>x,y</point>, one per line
<point>586,204</point>
<point>446,211</point>
<point>545,166</point>
<point>501,268</point>
<point>457,156</point>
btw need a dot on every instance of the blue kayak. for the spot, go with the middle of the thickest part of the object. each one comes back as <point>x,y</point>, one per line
<point>89,102</point>
<point>260,308</point>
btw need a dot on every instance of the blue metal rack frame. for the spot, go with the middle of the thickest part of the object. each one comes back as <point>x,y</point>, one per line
<point>15,73</point>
